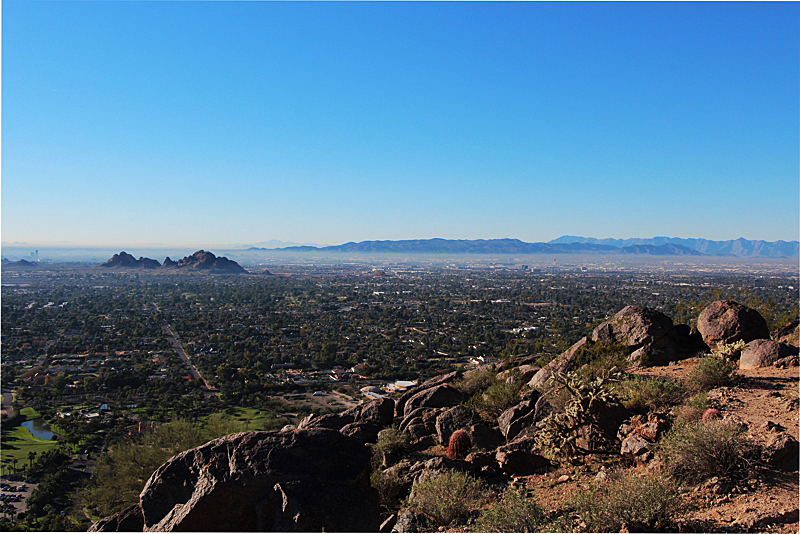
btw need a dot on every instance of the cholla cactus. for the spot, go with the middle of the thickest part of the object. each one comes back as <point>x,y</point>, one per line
<point>729,351</point>
<point>558,432</point>
<point>459,445</point>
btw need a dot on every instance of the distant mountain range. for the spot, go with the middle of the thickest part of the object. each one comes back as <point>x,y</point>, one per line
<point>659,246</point>
<point>735,247</point>
<point>200,260</point>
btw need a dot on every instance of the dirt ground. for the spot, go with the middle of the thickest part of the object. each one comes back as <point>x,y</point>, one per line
<point>765,400</point>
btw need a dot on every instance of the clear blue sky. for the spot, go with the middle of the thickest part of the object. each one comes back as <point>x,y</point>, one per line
<point>211,123</point>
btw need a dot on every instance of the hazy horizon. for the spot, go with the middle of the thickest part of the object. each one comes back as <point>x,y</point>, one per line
<point>208,124</point>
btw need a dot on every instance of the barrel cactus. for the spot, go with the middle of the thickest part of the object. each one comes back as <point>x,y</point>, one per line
<point>459,445</point>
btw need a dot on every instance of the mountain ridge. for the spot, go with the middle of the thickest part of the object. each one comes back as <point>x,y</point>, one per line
<point>659,246</point>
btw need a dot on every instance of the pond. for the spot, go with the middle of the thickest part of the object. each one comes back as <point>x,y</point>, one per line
<point>39,429</point>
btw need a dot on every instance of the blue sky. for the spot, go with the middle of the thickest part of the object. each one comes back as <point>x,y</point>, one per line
<point>211,123</point>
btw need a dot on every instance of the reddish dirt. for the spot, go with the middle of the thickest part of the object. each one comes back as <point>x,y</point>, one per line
<point>768,501</point>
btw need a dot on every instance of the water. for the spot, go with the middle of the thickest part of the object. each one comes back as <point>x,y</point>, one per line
<point>39,429</point>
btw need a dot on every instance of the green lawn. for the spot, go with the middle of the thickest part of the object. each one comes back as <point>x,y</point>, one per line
<point>17,442</point>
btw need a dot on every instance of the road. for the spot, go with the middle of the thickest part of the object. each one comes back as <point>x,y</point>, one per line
<point>178,348</point>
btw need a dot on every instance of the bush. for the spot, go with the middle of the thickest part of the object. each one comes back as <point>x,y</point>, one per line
<point>389,485</point>
<point>513,512</point>
<point>692,410</point>
<point>637,503</point>
<point>475,380</point>
<point>643,394</point>
<point>497,398</point>
<point>710,372</point>
<point>445,496</point>
<point>390,447</point>
<point>693,452</point>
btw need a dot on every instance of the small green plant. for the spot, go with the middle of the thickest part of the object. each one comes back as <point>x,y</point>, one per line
<point>475,380</point>
<point>629,502</point>
<point>390,447</point>
<point>497,398</point>
<point>512,512</point>
<point>458,445</point>
<point>694,452</point>
<point>712,371</point>
<point>648,393</point>
<point>692,410</point>
<point>729,351</point>
<point>389,485</point>
<point>445,496</point>
<point>597,358</point>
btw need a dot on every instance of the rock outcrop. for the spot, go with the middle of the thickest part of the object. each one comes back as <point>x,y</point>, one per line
<point>125,260</point>
<point>726,321</point>
<point>200,260</point>
<point>301,480</point>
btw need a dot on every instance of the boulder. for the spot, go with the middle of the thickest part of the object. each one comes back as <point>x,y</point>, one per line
<point>453,419</point>
<point>782,452</point>
<point>513,420</point>
<point>399,407</point>
<point>763,353</point>
<point>128,520</point>
<point>726,321</point>
<point>522,372</point>
<point>789,333</point>
<point>485,437</point>
<point>365,432</point>
<point>334,421</point>
<point>634,445</point>
<point>440,396</point>
<point>378,412</point>
<point>303,480</point>
<point>519,458</point>
<point>562,363</point>
<point>635,327</point>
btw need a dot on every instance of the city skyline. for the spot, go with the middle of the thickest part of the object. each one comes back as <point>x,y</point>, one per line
<point>215,123</point>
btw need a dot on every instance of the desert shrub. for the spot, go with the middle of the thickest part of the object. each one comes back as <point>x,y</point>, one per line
<point>648,393</point>
<point>497,398</point>
<point>637,503</point>
<point>593,359</point>
<point>389,485</point>
<point>693,452</point>
<point>445,496</point>
<point>475,380</point>
<point>512,512</point>
<point>711,371</point>
<point>390,447</point>
<point>692,410</point>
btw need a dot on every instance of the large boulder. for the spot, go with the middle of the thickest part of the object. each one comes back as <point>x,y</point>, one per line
<point>520,458</point>
<point>453,419</point>
<point>782,452</point>
<point>333,421</point>
<point>789,333</point>
<point>302,480</point>
<point>440,396</point>
<point>128,520</point>
<point>399,407</point>
<point>514,419</point>
<point>561,364</point>
<point>726,321</point>
<point>378,412</point>
<point>523,372</point>
<point>635,327</point>
<point>763,353</point>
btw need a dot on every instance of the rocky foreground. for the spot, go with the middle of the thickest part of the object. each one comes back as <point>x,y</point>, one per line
<point>317,476</point>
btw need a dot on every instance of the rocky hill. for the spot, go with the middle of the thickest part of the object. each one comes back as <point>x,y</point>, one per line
<point>200,260</point>
<point>556,432</point>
